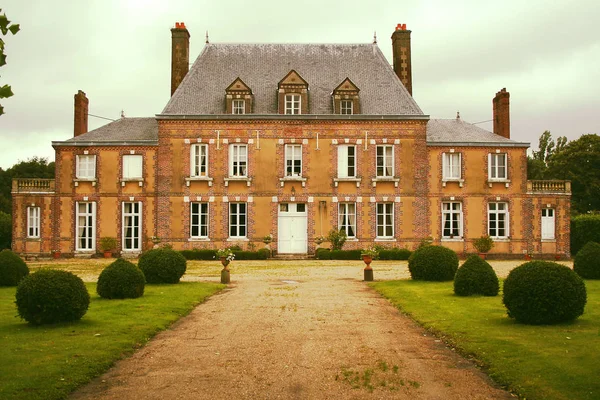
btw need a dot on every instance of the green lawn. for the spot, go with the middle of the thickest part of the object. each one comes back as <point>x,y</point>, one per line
<point>48,362</point>
<point>536,362</point>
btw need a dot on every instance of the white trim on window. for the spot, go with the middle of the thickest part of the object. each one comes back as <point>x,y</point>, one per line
<point>85,166</point>
<point>452,219</point>
<point>33,222</point>
<point>199,217</point>
<point>238,106</point>
<point>238,160</point>
<point>346,107</point>
<point>347,219</point>
<point>451,166</point>
<point>497,166</point>
<point>85,226</point>
<point>238,220</point>
<point>346,161</point>
<point>199,160</point>
<point>131,224</point>
<point>293,160</point>
<point>548,224</point>
<point>384,161</point>
<point>293,103</point>
<point>132,166</point>
<point>498,220</point>
<point>385,220</point>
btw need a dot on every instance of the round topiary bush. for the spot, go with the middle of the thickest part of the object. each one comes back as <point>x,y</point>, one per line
<point>433,263</point>
<point>544,292</point>
<point>162,265</point>
<point>121,280</point>
<point>587,261</point>
<point>476,276</point>
<point>49,296</point>
<point>12,268</point>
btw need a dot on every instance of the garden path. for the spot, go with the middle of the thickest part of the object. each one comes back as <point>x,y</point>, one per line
<point>294,334</point>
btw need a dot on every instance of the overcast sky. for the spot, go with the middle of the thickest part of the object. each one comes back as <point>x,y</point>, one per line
<point>546,53</point>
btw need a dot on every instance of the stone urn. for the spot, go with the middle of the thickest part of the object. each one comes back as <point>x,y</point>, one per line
<point>368,271</point>
<point>225,276</point>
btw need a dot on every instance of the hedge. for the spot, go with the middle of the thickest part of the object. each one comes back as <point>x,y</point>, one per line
<point>327,254</point>
<point>209,254</point>
<point>584,228</point>
<point>394,254</point>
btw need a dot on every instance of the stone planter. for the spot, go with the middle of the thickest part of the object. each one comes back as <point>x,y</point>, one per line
<point>368,271</point>
<point>225,274</point>
<point>56,255</point>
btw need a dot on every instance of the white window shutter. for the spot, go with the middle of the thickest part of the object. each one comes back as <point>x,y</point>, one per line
<point>489,166</point>
<point>460,168</point>
<point>444,165</point>
<point>342,162</point>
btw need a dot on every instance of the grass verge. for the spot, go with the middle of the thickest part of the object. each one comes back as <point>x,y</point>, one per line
<point>536,362</point>
<point>49,362</point>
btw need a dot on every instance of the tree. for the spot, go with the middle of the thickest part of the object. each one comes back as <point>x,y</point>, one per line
<point>34,167</point>
<point>5,230</point>
<point>5,27</point>
<point>537,165</point>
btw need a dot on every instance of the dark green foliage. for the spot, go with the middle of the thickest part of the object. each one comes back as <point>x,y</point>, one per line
<point>394,254</point>
<point>261,254</point>
<point>50,296</point>
<point>584,228</point>
<point>323,254</point>
<point>12,268</point>
<point>433,263</point>
<point>476,276</point>
<point>337,238</point>
<point>327,254</point>
<point>587,261</point>
<point>197,254</point>
<point>34,167</point>
<point>544,292</point>
<point>121,280</point>
<point>5,230</point>
<point>162,265</point>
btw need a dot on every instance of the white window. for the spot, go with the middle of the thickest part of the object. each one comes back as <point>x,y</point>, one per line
<point>498,220</point>
<point>238,107</point>
<point>292,104</point>
<point>497,166</point>
<point>548,224</point>
<point>452,219</point>
<point>346,107</point>
<point>385,161</point>
<point>132,167</point>
<point>385,220</point>
<point>451,166</point>
<point>33,222</point>
<point>238,160</point>
<point>132,226</point>
<point>293,160</point>
<point>85,226</point>
<point>237,220</point>
<point>85,167</point>
<point>346,161</point>
<point>199,160</point>
<point>199,220</point>
<point>347,218</point>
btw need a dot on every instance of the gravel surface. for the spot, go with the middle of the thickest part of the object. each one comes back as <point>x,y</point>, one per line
<point>297,333</point>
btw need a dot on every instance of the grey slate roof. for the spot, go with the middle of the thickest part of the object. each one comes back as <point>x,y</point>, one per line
<point>262,66</point>
<point>125,130</point>
<point>458,132</point>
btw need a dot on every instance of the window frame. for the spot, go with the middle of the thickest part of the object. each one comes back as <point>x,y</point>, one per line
<point>139,214</point>
<point>344,107</point>
<point>126,173</point>
<point>451,212</point>
<point>78,166</point>
<point>544,230</point>
<point>292,103</point>
<point>385,225</point>
<point>199,226</point>
<point>448,165</point>
<point>344,218</point>
<point>237,226</point>
<point>196,164</point>
<point>344,161</point>
<point>234,157</point>
<point>90,226</point>
<point>385,157</point>
<point>238,105</point>
<point>291,160</point>
<point>493,166</point>
<point>33,222</point>
<point>493,232</point>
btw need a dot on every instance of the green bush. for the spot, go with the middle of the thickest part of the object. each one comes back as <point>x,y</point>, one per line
<point>162,265</point>
<point>12,268</point>
<point>323,254</point>
<point>433,263</point>
<point>261,254</point>
<point>584,228</point>
<point>328,254</point>
<point>544,292</point>
<point>121,280</point>
<point>5,230</point>
<point>476,276</point>
<point>50,296</point>
<point>197,254</point>
<point>394,254</point>
<point>587,261</point>
<point>337,238</point>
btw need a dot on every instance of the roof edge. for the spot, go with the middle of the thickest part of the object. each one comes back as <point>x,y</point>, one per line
<point>105,143</point>
<point>479,144</point>
<point>333,117</point>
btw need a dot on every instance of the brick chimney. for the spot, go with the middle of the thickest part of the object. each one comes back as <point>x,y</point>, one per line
<point>80,125</point>
<point>502,113</point>
<point>180,54</point>
<point>401,54</point>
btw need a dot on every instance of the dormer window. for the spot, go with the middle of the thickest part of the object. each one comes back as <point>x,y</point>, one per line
<point>292,94</point>
<point>238,98</point>
<point>345,98</point>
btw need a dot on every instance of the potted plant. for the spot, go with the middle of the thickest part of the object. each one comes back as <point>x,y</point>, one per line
<point>56,254</point>
<point>226,256</point>
<point>107,245</point>
<point>368,255</point>
<point>483,245</point>
<point>268,239</point>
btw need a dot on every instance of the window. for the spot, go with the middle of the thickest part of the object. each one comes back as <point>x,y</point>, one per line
<point>238,107</point>
<point>346,161</point>
<point>452,219</point>
<point>347,218</point>
<point>199,220</point>
<point>497,165</point>
<point>292,104</point>
<point>385,220</point>
<point>85,226</point>
<point>385,161</point>
<point>33,222</point>
<point>346,106</point>
<point>132,167</point>
<point>199,160</point>
<point>293,160</point>
<point>498,220</point>
<point>548,226</point>
<point>237,220</point>
<point>238,160</point>
<point>85,167</point>
<point>451,166</point>
<point>132,226</point>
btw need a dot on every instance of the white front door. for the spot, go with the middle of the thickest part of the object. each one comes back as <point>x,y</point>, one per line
<point>548,223</point>
<point>292,228</point>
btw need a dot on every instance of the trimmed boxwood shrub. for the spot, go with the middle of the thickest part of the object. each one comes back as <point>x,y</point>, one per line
<point>544,292</point>
<point>49,296</point>
<point>323,254</point>
<point>433,263</point>
<point>162,265</point>
<point>394,254</point>
<point>12,268</point>
<point>584,228</point>
<point>328,254</point>
<point>121,280</point>
<point>587,261</point>
<point>476,276</point>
